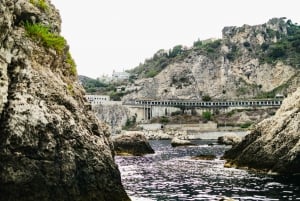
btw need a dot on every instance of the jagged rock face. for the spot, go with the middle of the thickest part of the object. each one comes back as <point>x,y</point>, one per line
<point>275,142</point>
<point>51,146</point>
<point>114,115</point>
<point>220,76</point>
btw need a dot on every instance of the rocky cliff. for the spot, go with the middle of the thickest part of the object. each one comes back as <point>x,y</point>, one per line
<point>114,115</point>
<point>51,145</point>
<point>247,62</point>
<point>274,144</point>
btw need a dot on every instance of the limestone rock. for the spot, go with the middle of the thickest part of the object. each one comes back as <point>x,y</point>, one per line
<point>157,135</point>
<point>114,115</point>
<point>229,139</point>
<point>274,144</point>
<point>51,146</point>
<point>178,142</point>
<point>197,73</point>
<point>132,143</point>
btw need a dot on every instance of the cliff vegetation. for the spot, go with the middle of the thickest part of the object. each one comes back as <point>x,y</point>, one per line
<point>248,62</point>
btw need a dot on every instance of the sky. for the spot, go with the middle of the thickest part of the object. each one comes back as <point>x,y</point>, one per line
<point>107,35</point>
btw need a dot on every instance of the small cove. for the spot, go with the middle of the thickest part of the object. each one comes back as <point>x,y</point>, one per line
<point>171,174</point>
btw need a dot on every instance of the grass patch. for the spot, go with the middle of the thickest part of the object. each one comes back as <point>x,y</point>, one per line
<point>207,115</point>
<point>71,62</point>
<point>246,125</point>
<point>70,89</point>
<point>42,34</point>
<point>41,4</point>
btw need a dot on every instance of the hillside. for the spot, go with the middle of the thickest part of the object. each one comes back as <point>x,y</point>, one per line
<point>92,85</point>
<point>248,62</point>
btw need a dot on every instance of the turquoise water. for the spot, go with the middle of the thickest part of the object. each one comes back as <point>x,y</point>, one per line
<point>171,174</point>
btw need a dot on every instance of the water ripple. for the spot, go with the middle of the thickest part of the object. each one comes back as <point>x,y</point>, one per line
<point>171,174</point>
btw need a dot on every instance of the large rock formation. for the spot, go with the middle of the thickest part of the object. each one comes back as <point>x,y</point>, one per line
<point>115,115</point>
<point>229,68</point>
<point>51,145</point>
<point>275,142</point>
<point>132,143</point>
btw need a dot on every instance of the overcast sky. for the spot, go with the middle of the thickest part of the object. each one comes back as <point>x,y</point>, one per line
<point>107,35</point>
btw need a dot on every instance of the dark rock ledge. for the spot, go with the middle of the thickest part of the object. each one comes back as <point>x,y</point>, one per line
<point>274,144</point>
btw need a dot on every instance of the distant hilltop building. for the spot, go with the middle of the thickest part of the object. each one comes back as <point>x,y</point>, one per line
<point>120,76</point>
<point>97,99</point>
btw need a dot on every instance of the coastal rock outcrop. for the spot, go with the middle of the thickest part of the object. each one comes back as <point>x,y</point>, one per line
<point>274,144</point>
<point>176,142</point>
<point>229,139</point>
<point>52,147</point>
<point>132,143</point>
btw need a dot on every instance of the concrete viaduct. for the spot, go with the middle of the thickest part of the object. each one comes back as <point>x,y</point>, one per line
<point>147,109</point>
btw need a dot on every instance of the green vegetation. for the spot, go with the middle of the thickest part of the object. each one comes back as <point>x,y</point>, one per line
<point>151,67</point>
<point>197,44</point>
<point>287,49</point>
<point>233,54</point>
<point>70,89</point>
<point>179,112</point>
<point>207,115</point>
<point>161,59</point>
<point>246,44</point>
<point>231,113</point>
<point>206,98</point>
<point>272,94</point>
<point>242,91</point>
<point>151,73</point>
<point>116,96</point>
<point>130,123</point>
<point>175,51</point>
<point>280,89</point>
<point>163,120</point>
<point>41,4</point>
<point>213,45</point>
<point>42,34</point>
<point>246,125</point>
<point>92,85</point>
<point>72,64</point>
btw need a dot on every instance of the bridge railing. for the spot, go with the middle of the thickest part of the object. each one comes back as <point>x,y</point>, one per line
<point>199,104</point>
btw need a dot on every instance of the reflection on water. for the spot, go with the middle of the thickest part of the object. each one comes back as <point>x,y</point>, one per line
<point>170,174</point>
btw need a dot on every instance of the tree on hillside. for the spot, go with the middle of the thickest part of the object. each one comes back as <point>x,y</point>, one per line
<point>175,51</point>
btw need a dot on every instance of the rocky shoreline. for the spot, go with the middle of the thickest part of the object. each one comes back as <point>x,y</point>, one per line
<point>273,145</point>
<point>169,135</point>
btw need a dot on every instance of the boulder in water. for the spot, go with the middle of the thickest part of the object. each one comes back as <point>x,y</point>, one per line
<point>229,139</point>
<point>132,143</point>
<point>178,142</point>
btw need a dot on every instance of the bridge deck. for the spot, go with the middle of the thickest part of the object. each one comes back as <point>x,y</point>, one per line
<point>210,104</point>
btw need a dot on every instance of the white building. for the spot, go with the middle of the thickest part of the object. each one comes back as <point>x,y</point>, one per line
<point>120,75</point>
<point>97,99</point>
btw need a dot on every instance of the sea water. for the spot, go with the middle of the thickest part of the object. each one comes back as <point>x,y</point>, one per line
<point>171,174</point>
